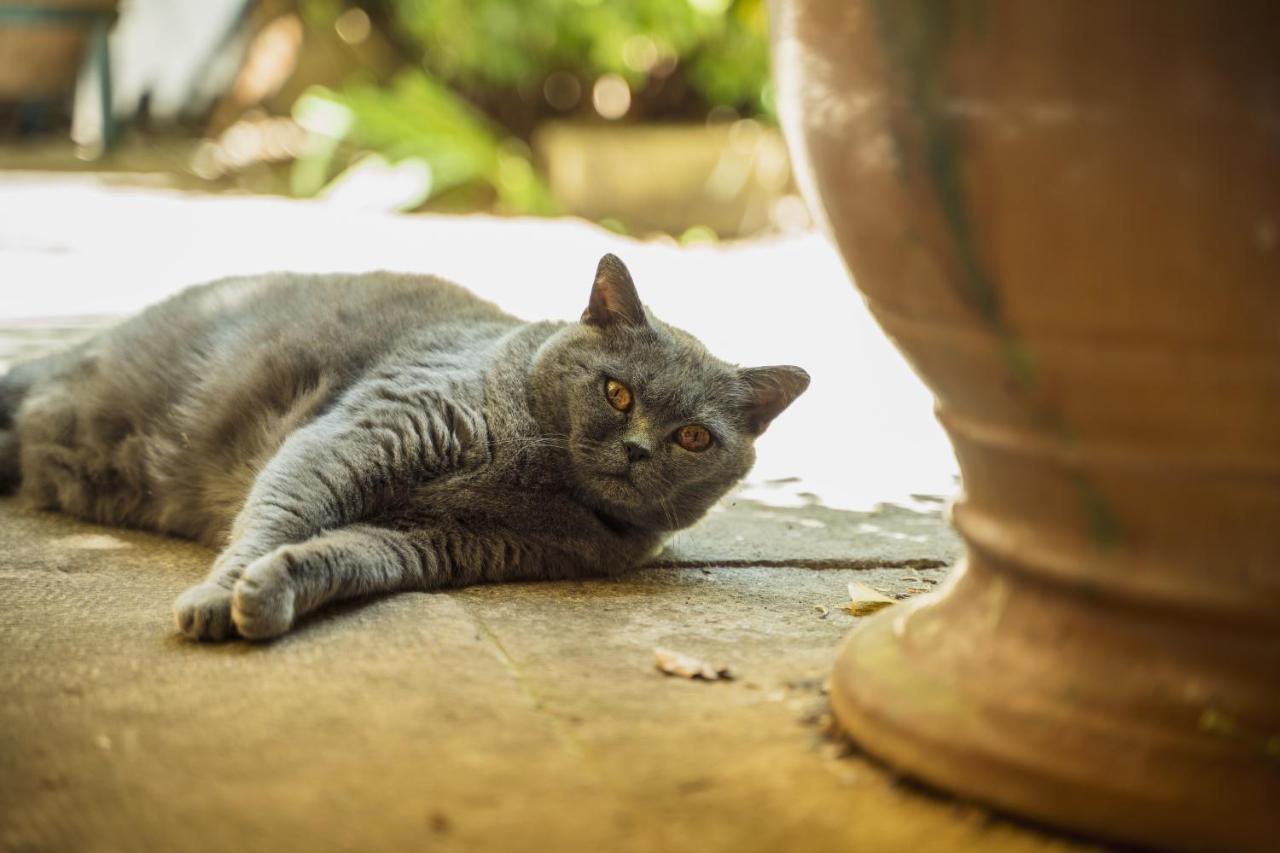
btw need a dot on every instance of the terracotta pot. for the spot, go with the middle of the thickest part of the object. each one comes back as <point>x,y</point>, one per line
<point>1067,215</point>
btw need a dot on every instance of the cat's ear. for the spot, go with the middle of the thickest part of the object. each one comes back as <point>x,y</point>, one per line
<point>770,390</point>
<point>614,300</point>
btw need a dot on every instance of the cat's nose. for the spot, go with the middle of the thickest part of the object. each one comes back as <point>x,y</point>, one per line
<point>635,451</point>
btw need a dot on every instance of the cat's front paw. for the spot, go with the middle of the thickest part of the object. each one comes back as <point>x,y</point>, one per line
<point>203,612</point>
<point>262,601</point>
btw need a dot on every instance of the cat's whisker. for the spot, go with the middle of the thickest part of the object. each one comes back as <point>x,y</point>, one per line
<point>551,438</point>
<point>523,443</point>
<point>669,512</point>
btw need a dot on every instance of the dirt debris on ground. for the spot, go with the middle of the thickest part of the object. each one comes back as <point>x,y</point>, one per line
<point>686,666</point>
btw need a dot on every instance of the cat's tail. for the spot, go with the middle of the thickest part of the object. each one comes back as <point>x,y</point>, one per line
<point>10,475</point>
<point>12,390</point>
<point>14,386</point>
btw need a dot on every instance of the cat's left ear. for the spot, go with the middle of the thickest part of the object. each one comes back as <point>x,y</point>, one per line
<point>771,389</point>
<point>614,301</point>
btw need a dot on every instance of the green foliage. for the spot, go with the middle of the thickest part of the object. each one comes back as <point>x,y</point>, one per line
<point>415,117</point>
<point>733,69</point>
<point>491,44</point>
<point>500,53</point>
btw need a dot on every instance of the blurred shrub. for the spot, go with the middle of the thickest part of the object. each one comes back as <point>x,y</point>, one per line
<point>478,75</point>
<point>415,118</point>
<point>719,46</point>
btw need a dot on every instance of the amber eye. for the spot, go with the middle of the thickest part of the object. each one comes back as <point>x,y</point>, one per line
<point>693,438</point>
<point>618,395</point>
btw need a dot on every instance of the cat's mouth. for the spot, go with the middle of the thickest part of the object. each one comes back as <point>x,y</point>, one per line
<point>617,489</point>
<point>622,480</point>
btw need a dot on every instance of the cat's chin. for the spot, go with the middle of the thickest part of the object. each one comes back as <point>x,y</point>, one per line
<point>616,497</point>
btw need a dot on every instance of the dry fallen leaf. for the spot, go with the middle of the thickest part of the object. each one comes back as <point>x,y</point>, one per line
<point>685,666</point>
<point>863,600</point>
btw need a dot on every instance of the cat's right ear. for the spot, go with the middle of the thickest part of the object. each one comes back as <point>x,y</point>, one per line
<point>769,391</point>
<point>614,301</point>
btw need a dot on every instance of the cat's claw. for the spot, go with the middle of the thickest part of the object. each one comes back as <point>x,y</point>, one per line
<point>262,601</point>
<point>203,612</point>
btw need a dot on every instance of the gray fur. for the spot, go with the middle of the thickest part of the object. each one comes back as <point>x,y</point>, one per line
<point>339,436</point>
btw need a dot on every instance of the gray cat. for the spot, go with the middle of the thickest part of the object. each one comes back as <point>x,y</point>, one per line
<point>344,435</point>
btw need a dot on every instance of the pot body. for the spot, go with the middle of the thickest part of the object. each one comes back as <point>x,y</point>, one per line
<point>1067,216</point>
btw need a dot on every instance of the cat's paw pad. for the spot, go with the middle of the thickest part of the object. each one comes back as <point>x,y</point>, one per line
<point>262,601</point>
<point>203,612</point>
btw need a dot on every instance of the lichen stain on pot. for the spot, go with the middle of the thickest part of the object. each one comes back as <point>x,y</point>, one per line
<point>917,35</point>
<point>1219,723</point>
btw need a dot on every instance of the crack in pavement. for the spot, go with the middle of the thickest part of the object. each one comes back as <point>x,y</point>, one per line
<point>801,563</point>
<point>567,738</point>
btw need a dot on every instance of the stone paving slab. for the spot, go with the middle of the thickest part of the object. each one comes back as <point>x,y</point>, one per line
<point>521,716</point>
<point>745,532</point>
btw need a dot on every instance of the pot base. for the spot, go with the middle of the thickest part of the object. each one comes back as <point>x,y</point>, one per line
<point>1105,719</point>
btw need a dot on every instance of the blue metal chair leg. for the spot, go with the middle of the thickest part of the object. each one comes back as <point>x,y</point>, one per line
<point>102,60</point>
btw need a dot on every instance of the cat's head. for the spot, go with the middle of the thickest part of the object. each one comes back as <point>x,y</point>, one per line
<point>657,428</point>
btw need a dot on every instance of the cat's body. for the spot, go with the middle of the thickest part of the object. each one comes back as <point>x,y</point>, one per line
<point>345,435</point>
<point>164,422</point>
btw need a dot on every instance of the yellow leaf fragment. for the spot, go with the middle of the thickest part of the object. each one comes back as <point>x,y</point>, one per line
<point>863,600</point>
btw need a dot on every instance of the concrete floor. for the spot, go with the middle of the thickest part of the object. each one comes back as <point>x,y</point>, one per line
<point>516,717</point>
<point>495,718</point>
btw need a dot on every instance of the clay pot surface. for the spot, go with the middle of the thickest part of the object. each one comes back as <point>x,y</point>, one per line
<point>1067,216</point>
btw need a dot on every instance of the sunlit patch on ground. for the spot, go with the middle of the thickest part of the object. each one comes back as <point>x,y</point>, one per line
<point>90,542</point>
